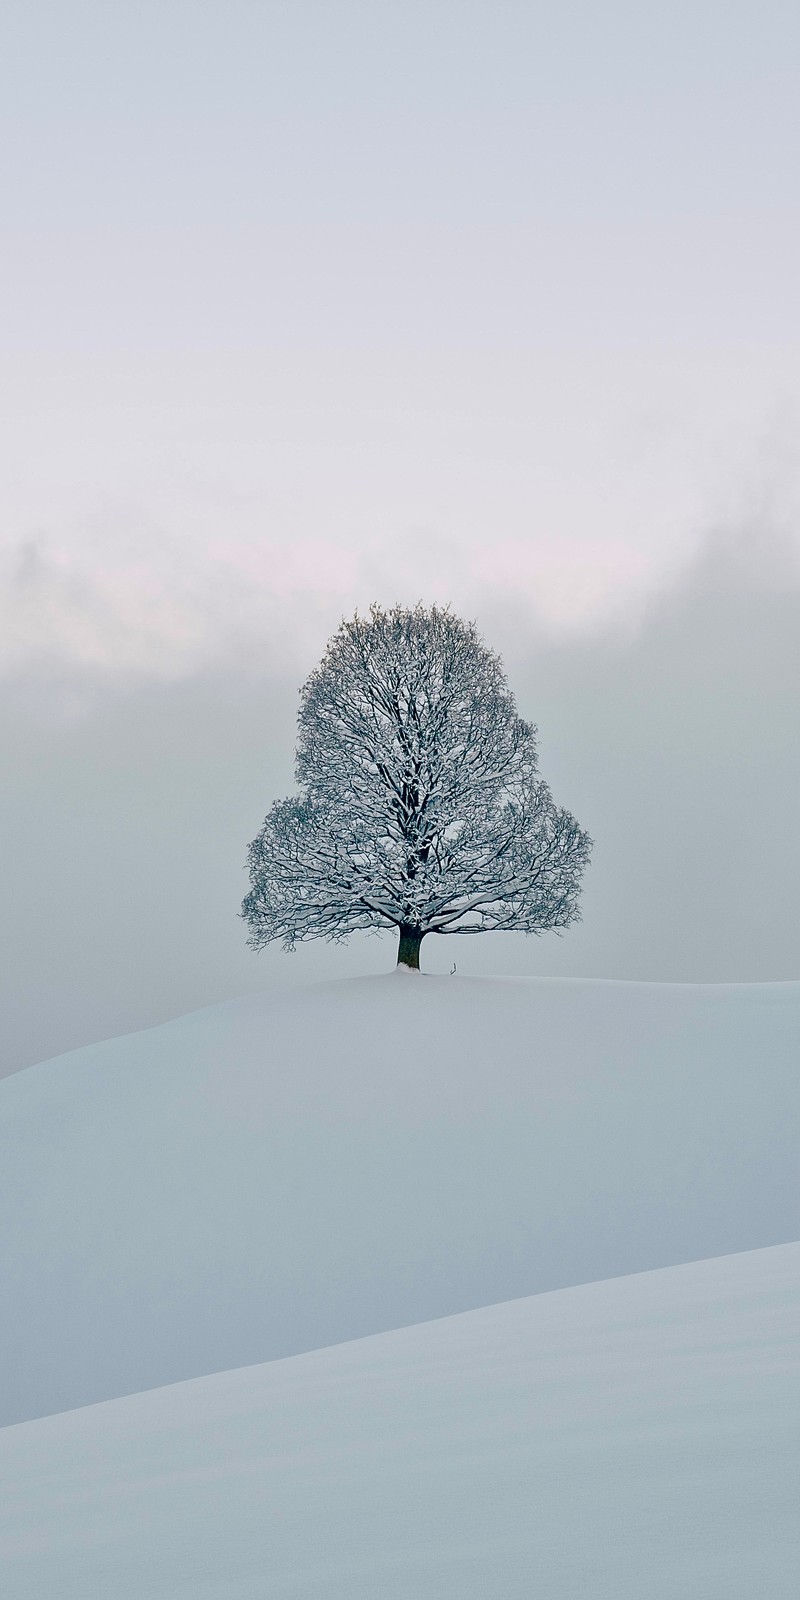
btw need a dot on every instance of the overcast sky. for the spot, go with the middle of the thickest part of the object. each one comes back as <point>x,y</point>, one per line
<point>305,305</point>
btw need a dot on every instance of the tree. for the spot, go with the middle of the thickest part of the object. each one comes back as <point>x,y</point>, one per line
<point>420,805</point>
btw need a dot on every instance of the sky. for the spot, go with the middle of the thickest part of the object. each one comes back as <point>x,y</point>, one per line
<point>307,305</point>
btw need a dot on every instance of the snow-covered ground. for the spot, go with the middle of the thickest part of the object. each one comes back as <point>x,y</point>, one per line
<point>629,1440</point>
<point>294,1170</point>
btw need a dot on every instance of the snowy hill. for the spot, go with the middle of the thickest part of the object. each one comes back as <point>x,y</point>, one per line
<point>301,1168</point>
<point>626,1439</point>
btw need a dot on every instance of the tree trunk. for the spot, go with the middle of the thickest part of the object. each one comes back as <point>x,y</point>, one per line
<point>408,948</point>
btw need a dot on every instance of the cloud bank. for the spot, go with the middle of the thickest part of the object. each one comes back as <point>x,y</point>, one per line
<point>130,804</point>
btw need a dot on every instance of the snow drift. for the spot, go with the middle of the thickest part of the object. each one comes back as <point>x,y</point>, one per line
<point>625,1439</point>
<point>301,1168</point>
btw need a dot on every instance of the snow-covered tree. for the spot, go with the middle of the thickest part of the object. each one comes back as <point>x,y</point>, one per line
<point>420,805</point>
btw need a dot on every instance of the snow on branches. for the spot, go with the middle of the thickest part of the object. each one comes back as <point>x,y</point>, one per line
<point>420,804</point>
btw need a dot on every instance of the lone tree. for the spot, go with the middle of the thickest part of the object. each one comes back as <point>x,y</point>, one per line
<point>420,807</point>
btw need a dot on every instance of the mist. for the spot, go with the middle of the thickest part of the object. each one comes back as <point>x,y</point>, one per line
<point>127,810</point>
<point>308,306</point>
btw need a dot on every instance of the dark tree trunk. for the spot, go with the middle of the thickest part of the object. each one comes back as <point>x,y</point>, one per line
<point>408,948</point>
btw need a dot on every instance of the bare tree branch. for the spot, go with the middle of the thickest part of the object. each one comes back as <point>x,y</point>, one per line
<point>420,804</point>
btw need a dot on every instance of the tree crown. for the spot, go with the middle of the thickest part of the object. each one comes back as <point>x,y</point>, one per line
<point>420,804</point>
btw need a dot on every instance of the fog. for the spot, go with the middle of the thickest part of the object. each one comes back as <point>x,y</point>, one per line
<point>128,810</point>
<point>304,306</point>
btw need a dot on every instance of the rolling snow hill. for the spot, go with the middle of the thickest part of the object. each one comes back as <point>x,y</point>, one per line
<point>301,1168</point>
<point>626,1439</point>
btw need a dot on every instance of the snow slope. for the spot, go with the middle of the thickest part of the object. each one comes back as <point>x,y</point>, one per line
<point>300,1168</point>
<point>628,1439</point>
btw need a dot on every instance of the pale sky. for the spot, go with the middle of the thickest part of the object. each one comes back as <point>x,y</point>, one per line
<point>310,304</point>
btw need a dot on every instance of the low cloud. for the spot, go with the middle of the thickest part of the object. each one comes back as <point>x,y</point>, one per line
<point>130,804</point>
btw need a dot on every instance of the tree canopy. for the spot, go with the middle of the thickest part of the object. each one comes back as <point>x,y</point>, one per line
<point>420,804</point>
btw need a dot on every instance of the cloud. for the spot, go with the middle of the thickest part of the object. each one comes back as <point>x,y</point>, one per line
<point>155,544</point>
<point>130,803</point>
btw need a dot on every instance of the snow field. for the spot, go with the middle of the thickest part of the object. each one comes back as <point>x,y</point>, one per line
<point>624,1439</point>
<point>297,1169</point>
